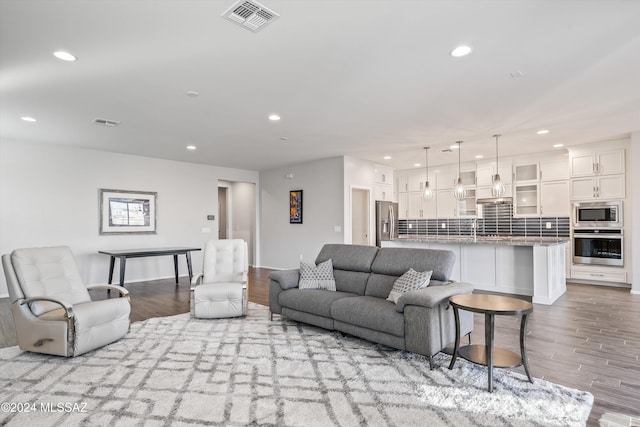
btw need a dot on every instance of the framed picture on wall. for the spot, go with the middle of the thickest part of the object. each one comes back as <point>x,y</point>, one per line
<point>295,207</point>
<point>127,212</point>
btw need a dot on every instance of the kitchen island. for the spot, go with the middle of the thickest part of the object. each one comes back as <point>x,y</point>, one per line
<point>532,266</point>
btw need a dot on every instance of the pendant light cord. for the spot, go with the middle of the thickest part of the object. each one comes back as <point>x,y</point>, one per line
<point>497,136</point>
<point>459,169</point>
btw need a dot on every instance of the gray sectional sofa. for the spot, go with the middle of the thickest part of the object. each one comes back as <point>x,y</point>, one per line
<point>421,322</point>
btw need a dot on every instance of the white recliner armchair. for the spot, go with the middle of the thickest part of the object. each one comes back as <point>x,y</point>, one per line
<point>52,309</point>
<point>221,289</point>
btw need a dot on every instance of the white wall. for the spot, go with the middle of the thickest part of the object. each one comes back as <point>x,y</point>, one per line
<point>633,191</point>
<point>49,196</point>
<point>358,174</point>
<point>322,182</point>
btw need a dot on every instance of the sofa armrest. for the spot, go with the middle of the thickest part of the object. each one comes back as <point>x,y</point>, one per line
<point>432,296</point>
<point>287,279</point>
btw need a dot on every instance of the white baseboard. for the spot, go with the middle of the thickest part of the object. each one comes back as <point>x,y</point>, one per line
<point>270,268</point>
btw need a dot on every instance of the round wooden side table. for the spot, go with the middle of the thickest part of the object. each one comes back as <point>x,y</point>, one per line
<point>487,355</point>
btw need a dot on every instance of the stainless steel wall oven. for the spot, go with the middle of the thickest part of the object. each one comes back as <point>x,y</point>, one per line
<point>598,247</point>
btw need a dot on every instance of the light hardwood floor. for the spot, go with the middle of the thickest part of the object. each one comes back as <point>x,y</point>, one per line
<point>589,339</point>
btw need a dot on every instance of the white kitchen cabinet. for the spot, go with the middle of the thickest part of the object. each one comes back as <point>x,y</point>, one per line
<point>526,202</point>
<point>448,207</point>
<point>597,163</point>
<point>383,174</point>
<point>486,170</point>
<point>603,274</point>
<point>416,180</point>
<point>415,205</point>
<point>446,204</point>
<point>446,177</point>
<point>554,198</point>
<point>467,207</point>
<point>526,172</point>
<point>403,205</point>
<point>485,192</point>
<point>598,175</point>
<point>554,169</point>
<point>598,187</point>
<point>420,208</point>
<point>402,182</point>
<point>383,192</point>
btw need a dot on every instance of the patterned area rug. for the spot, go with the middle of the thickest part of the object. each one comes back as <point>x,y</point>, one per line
<point>252,371</point>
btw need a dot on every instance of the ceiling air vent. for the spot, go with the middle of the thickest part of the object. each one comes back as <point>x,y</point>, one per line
<point>105,122</point>
<point>250,14</point>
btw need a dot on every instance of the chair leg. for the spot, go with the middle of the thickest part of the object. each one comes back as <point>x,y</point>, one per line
<point>430,362</point>
<point>469,338</point>
<point>270,315</point>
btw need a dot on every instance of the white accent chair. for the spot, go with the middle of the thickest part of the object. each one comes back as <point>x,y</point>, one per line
<point>52,309</point>
<point>221,290</point>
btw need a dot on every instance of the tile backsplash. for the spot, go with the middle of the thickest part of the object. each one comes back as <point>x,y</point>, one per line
<point>496,220</point>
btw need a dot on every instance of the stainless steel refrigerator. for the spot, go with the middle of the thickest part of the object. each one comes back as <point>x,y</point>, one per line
<point>386,221</point>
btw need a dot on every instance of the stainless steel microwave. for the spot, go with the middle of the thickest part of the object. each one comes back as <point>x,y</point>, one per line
<point>598,215</point>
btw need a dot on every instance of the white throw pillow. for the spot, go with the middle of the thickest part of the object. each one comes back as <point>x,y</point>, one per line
<point>317,277</point>
<point>409,281</point>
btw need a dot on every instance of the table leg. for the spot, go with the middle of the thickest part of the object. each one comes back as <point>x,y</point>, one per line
<point>188,255</point>
<point>488,343</point>
<point>111,264</point>
<point>175,267</point>
<point>523,346</point>
<point>123,263</point>
<point>454,356</point>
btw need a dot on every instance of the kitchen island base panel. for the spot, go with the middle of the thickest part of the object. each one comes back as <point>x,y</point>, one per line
<point>535,270</point>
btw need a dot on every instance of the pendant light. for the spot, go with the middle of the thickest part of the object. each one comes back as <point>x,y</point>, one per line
<point>427,193</point>
<point>459,192</point>
<point>497,187</point>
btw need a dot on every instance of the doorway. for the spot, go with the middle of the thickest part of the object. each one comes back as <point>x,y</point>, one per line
<point>360,214</point>
<point>237,213</point>
<point>222,213</point>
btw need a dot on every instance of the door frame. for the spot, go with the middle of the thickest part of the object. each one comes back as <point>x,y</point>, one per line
<point>348,237</point>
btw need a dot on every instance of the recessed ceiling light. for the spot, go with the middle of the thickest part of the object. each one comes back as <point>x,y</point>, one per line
<point>387,157</point>
<point>558,145</point>
<point>543,131</point>
<point>459,51</point>
<point>516,74</point>
<point>284,138</point>
<point>193,94</point>
<point>417,165</point>
<point>191,147</point>
<point>28,119</point>
<point>454,147</point>
<point>479,156</point>
<point>274,117</point>
<point>65,56</point>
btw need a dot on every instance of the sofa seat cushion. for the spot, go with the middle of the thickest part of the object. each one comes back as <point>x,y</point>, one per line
<point>314,301</point>
<point>369,312</point>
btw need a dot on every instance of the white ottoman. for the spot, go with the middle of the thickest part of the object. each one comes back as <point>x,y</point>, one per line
<point>218,300</point>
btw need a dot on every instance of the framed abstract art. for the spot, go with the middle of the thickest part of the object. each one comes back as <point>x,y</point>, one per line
<point>295,207</point>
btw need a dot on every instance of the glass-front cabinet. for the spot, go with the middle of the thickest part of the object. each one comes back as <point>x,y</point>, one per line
<point>526,200</point>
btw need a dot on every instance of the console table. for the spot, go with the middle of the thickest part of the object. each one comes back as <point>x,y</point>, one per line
<point>487,355</point>
<point>123,254</point>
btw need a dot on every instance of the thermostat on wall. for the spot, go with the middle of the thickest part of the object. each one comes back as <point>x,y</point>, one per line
<point>211,217</point>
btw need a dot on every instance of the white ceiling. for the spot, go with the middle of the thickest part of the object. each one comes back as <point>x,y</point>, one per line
<point>357,78</point>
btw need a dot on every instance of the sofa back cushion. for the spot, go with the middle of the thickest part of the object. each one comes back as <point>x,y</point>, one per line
<point>380,285</point>
<point>391,263</point>
<point>351,265</point>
